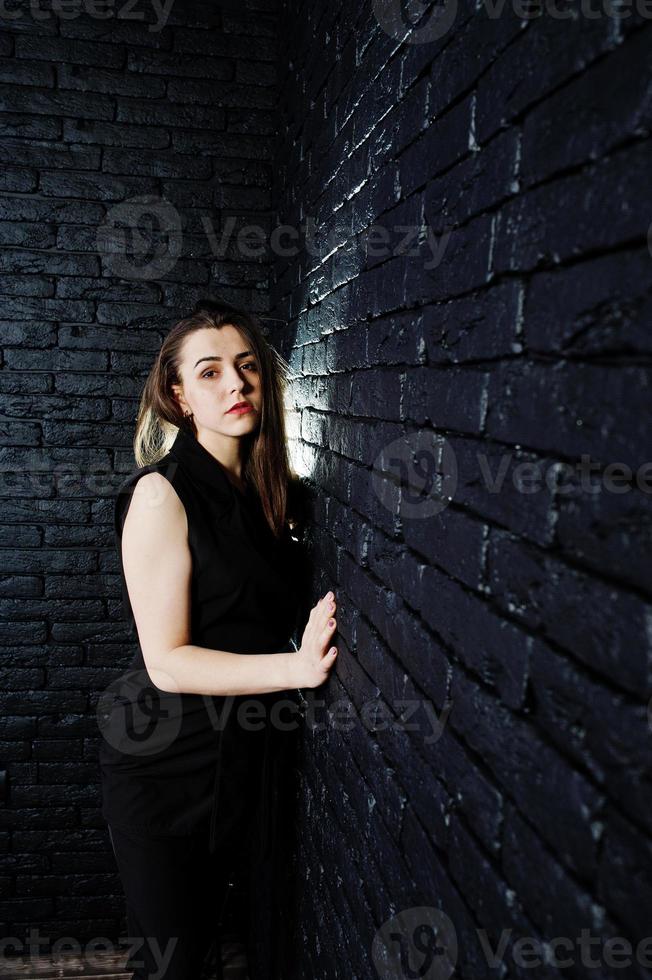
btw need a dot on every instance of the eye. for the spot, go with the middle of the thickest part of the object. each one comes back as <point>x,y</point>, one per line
<point>250,364</point>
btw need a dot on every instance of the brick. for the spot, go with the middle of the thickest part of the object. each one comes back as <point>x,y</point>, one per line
<point>147,162</point>
<point>25,234</point>
<point>556,799</point>
<point>173,116</point>
<point>452,399</point>
<point>597,307</point>
<point>445,141</point>
<point>586,409</point>
<point>571,707</point>
<point>32,153</point>
<point>559,46</point>
<point>86,79</point>
<point>496,651</point>
<point>625,885</point>
<point>68,51</point>
<point>595,209</point>
<point>114,134</point>
<point>163,63</point>
<point>603,627</point>
<point>56,103</point>
<point>26,72</point>
<point>572,127</point>
<point>480,181</point>
<point>220,45</point>
<point>95,187</point>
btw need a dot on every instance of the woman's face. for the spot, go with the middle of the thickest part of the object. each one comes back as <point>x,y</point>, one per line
<point>218,369</point>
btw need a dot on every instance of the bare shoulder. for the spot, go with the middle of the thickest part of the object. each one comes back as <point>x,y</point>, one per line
<point>154,506</point>
<point>157,564</point>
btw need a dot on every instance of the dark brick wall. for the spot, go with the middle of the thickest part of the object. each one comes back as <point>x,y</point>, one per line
<point>517,332</point>
<point>96,113</point>
<point>472,293</point>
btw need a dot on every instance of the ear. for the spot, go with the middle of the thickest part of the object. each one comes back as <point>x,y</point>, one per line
<point>177,392</point>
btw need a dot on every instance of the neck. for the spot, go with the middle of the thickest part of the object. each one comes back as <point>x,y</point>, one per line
<point>227,450</point>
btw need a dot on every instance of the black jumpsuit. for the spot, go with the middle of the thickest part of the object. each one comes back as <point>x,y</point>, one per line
<point>189,781</point>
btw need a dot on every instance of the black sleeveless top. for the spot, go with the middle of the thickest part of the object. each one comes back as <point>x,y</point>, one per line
<point>171,763</point>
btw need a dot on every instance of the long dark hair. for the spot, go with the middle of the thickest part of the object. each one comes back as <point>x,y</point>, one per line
<point>266,466</point>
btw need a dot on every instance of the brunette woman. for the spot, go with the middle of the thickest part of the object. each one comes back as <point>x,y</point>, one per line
<point>212,576</point>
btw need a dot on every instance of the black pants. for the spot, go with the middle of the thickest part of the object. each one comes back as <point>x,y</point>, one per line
<point>175,892</point>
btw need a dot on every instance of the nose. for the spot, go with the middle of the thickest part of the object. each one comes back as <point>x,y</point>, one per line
<point>237,382</point>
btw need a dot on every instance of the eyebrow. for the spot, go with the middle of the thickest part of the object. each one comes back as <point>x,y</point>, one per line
<point>215,357</point>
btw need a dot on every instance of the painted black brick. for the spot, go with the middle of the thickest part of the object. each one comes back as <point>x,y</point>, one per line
<point>517,330</point>
<point>523,146</point>
<point>95,113</point>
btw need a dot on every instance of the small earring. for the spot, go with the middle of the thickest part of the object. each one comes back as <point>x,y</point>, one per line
<point>187,415</point>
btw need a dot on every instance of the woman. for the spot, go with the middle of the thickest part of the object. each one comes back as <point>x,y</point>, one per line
<point>212,583</point>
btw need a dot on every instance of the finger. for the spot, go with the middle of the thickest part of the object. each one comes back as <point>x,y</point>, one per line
<point>330,627</point>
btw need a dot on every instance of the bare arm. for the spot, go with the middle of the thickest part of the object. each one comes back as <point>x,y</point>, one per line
<point>158,566</point>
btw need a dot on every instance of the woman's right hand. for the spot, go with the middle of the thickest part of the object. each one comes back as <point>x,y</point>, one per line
<point>316,655</point>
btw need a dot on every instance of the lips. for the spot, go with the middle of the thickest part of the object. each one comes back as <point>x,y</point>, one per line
<point>241,408</point>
